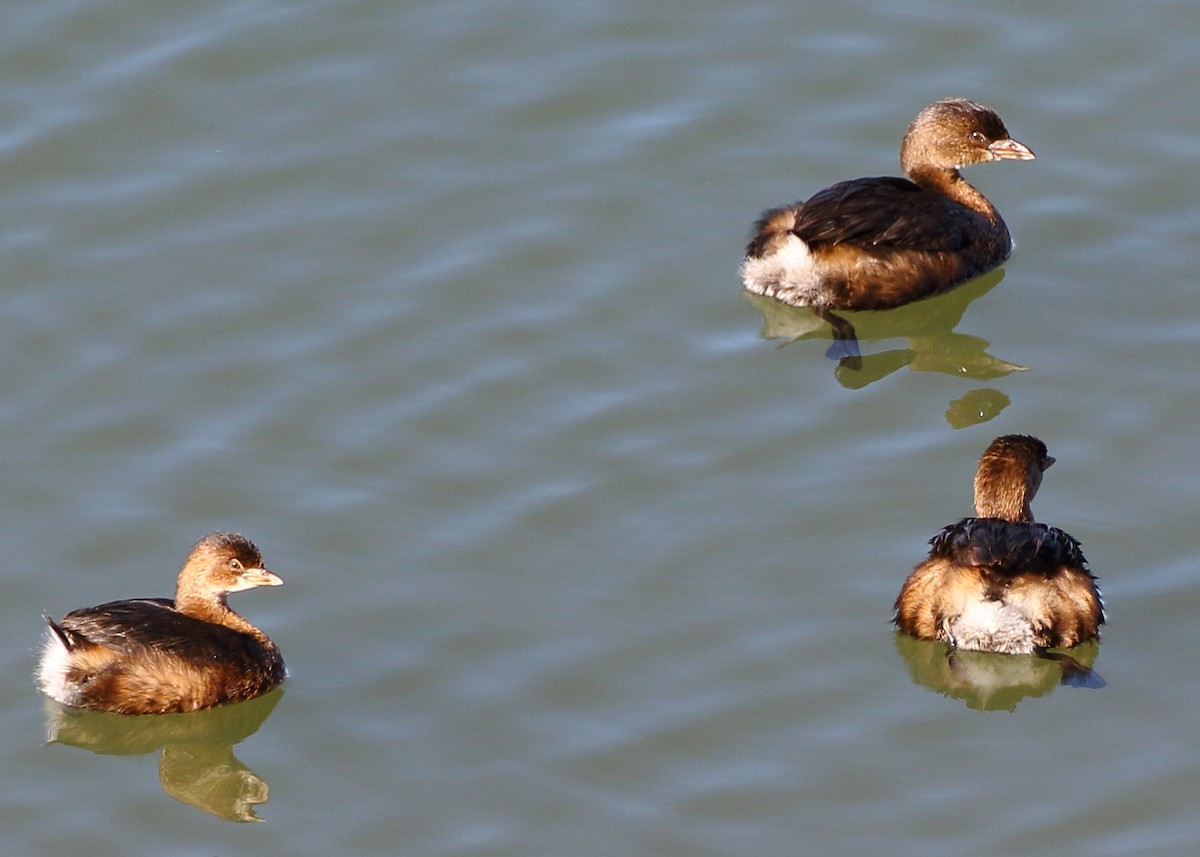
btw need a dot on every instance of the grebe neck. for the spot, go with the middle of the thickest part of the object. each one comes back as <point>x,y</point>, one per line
<point>217,611</point>
<point>949,182</point>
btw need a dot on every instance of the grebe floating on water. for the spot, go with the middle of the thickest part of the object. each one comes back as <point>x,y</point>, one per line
<point>1000,582</point>
<point>875,243</point>
<point>160,656</point>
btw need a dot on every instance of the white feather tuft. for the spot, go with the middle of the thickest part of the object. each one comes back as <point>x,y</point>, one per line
<point>53,667</point>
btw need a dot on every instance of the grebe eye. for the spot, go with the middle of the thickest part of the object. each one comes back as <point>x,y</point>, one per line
<point>235,565</point>
<point>978,139</point>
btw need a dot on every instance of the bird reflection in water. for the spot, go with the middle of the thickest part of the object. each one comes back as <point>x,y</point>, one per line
<point>989,681</point>
<point>197,765</point>
<point>931,344</point>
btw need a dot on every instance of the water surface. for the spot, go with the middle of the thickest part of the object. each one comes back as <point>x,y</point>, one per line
<point>585,552</point>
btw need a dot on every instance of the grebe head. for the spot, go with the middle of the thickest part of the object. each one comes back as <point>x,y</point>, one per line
<point>1009,475</point>
<point>221,563</point>
<point>954,133</point>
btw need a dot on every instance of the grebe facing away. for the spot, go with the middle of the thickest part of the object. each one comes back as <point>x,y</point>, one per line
<point>874,243</point>
<point>1000,582</point>
<point>160,656</point>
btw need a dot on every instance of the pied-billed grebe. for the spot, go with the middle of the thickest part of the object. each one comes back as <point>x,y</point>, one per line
<point>160,656</point>
<point>1000,582</point>
<point>874,243</point>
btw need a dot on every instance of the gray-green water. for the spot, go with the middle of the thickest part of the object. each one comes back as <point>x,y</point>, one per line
<point>438,303</point>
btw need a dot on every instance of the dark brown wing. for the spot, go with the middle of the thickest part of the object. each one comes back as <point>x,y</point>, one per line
<point>884,212</point>
<point>1007,547</point>
<point>138,625</point>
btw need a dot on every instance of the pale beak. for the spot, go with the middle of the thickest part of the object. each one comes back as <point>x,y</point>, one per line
<point>1010,150</point>
<point>261,577</point>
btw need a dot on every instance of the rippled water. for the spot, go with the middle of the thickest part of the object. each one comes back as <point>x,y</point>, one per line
<point>584,551</point>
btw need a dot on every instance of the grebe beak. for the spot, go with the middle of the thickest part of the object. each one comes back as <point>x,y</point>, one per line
<point>1010,150</point>
<point>261,577</point>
